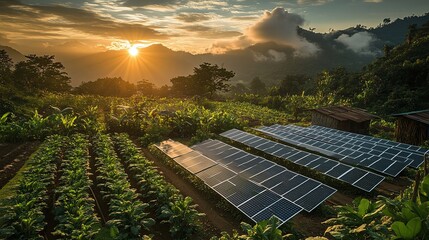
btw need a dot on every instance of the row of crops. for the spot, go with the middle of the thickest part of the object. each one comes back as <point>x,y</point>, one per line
<point>55,197</point>
<point>150,119</point>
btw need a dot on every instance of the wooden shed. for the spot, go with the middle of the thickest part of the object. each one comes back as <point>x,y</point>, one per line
<point>412,127</point>
<point>343,118</point>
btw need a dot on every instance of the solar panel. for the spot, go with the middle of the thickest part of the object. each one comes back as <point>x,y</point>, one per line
<point>414,159</point>
<point>270,175</point>
<point>172,148</point>
<point>376,163</point>
<point>400,146</point>
<point>252,199</point>
<point>315,162</point>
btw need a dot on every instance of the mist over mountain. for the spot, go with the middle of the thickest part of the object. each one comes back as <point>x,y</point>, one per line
<point>352,48</point>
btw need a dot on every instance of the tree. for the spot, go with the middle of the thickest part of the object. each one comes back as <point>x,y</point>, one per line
<point>5,67</point>
<point>41,73</point>
<point>257,86</point>
<point>114,87</point>
<point>386,21</point>
<point>238,89</point>
<point>293,84</point>
<point>387,49</point>
<point>412,29</point>
<point>145,87</point>
<point>340,83</point>
<point>206,80</point>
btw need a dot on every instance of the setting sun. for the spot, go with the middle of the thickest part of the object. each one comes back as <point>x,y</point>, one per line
<point>133,51</point>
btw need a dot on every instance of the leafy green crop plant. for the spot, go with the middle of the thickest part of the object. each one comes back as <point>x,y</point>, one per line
<point>361,220</point>
<point>128,216</point>
<point>170,205</point>
<point>74,208</point>
<point>22,214</point>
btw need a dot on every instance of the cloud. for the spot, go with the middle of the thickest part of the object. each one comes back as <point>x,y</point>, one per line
<point>280,26</point>
<point>56,18</point>
<point>360,43</point>
<point>272,55</point>
<point>3,39</point>
<point>210,32</point>
<point>143,3</point>
<point>313,2</point>
<point>192,17</point>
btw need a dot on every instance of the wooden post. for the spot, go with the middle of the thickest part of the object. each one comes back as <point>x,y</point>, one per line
<point>426,157</point>
<point>416,187</point>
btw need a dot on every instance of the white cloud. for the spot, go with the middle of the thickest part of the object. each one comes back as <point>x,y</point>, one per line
<point>359,42</point>
<point>314,2</point>
<point>277,26</point>
<point>373,1</point>
<point>272,55</point>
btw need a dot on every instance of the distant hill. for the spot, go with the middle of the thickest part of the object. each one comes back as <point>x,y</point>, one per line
<point>13,54</point>
<point>269,61</point>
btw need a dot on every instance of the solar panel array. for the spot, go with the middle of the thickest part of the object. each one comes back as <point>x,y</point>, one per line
<point>370,147</point>
<point>413,152</point>
<point>303,191</point>
<point>254,200</point>
<point>356,177</point>
<point>347,155</point>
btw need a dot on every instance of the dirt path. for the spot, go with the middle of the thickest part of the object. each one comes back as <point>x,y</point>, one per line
<point>12,161</point>
<point>213,217</point>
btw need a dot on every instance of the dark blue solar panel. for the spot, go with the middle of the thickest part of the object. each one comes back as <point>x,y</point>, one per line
<point>319,194</point>
<point>338,170</point>
<point>284,187</point>
<point>353,175</point>
<point>301,190</point>
<point>282,177</point>
<point>259,202</point>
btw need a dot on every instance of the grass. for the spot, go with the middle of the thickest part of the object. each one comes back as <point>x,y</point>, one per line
<point>8,190</point>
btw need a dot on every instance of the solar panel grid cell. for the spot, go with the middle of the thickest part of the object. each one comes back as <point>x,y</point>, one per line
<point>266,173</point>
<point>401,146</point>
<point>317,163</point>
<point>379,164</point>
<point>234,188</point>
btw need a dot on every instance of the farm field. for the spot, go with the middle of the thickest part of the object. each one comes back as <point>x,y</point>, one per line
<point>87,169</point>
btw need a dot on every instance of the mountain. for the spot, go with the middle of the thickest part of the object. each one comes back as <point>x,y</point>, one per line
<point>13,54</point>
<point>155,63</point>
<point>352,48</point>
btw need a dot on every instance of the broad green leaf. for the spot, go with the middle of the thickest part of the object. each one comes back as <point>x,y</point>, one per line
<point>363,206</point>
<point>409,231</point>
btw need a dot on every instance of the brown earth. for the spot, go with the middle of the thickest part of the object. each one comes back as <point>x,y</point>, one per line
<point>213,221</point>
<point>12,160</point>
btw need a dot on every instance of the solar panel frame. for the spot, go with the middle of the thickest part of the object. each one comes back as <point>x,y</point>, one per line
<point>322,164</point>
<point>377,163</point>
<point>378,148</point>
<point>229,185</point>
<point>402,146</point>
<point>261,167</point>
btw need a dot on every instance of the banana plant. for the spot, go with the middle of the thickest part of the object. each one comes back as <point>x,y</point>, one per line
<point>264,230</point>
<point>4,118</point>
<point>362,219</point>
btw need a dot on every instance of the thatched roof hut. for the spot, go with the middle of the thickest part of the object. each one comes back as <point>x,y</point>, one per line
<point>343,118</point>
<point>412,127</point>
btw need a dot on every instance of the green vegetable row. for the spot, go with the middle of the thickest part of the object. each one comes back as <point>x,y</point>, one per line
<point>74,206</point>
<point>127,213</point>
<point>170,205</point>
<point>23,215</point>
